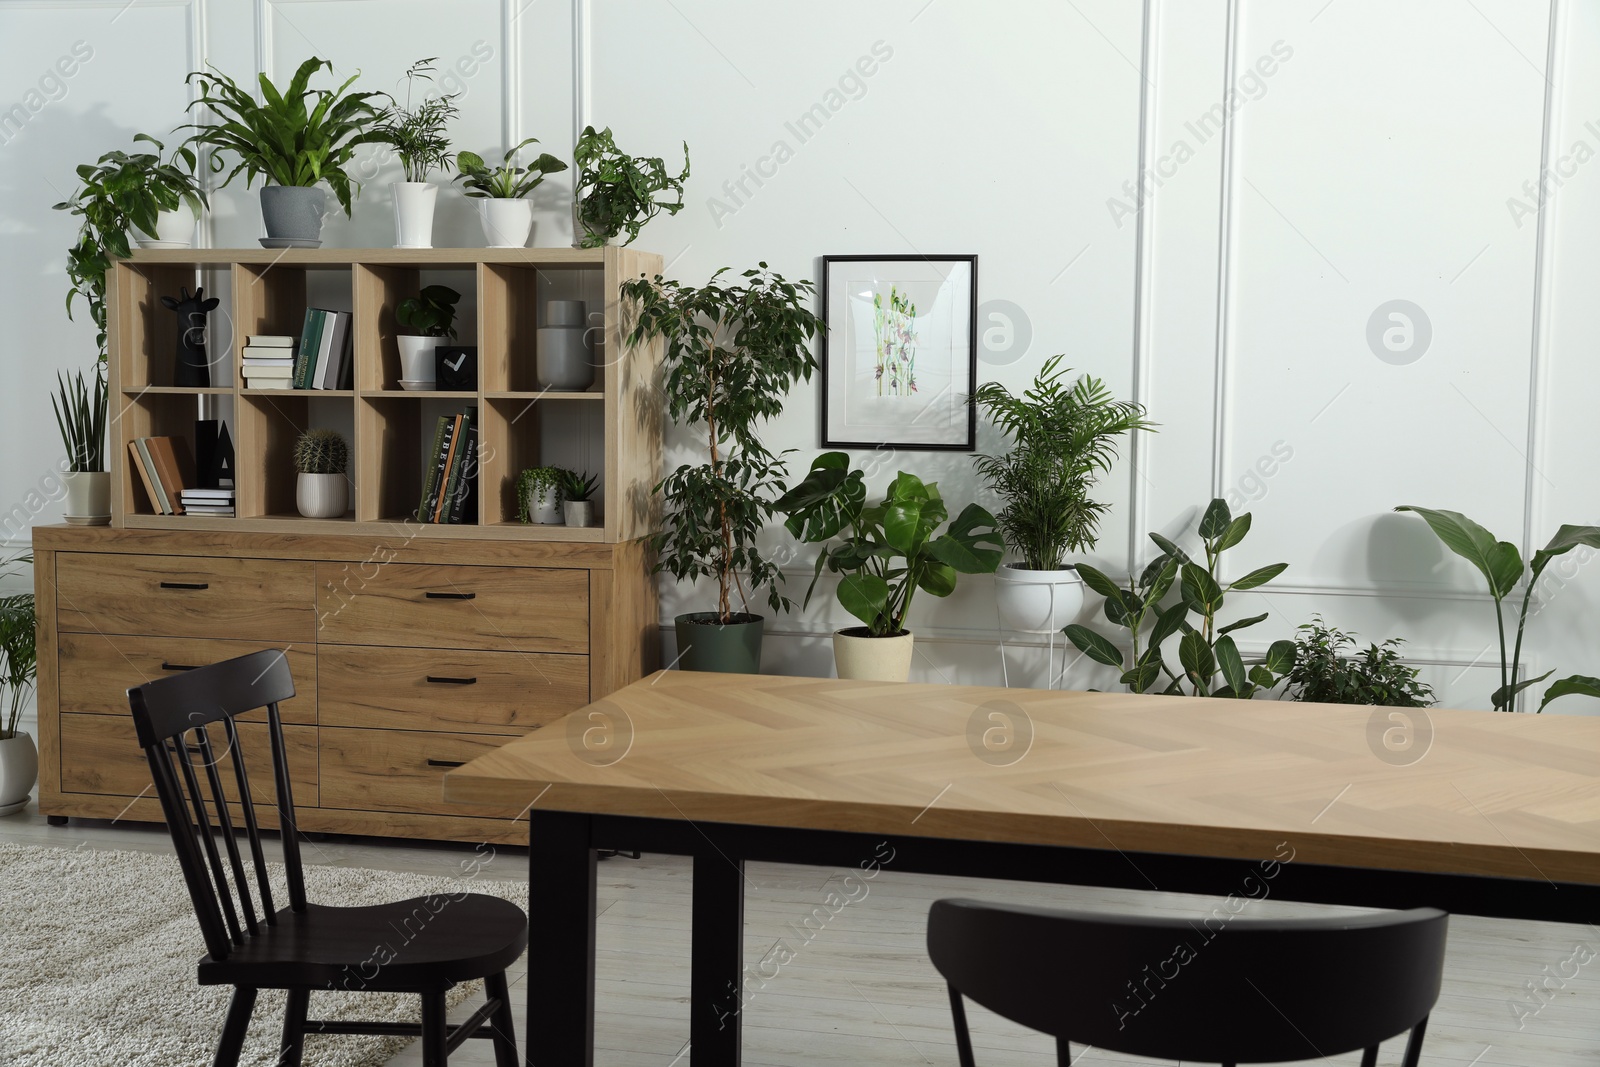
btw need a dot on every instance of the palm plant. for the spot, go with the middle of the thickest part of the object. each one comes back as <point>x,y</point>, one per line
<point>295,137</point>
<point>417,134</point>
<point>1063,436</point>
<point>18,648</point>
<point>81,417</point>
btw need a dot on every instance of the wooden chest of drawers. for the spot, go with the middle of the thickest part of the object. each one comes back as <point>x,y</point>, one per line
<point>403,669</point>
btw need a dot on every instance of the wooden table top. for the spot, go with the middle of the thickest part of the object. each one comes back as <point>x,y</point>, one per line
<point>1464,792</point>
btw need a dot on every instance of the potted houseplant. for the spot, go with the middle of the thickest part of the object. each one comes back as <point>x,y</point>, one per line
<point>731,352</point>
<point>159,200</point>
<point>81,416</point>
<point>886,552</point>
<point>1063,436</point>
<point>1328,670</point>
<point>417,136</point>
<point>616,192</point>
<point>322,489</point>
<point>539,495</point>
<point>576,506</point>
<point>19,760</point>
<point>432,314</point>
<point>507,218</point>
<point>294,139</point>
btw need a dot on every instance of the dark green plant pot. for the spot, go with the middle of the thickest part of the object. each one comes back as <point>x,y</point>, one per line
<point>707,645</point>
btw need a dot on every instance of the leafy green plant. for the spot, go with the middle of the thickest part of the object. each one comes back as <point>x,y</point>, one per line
<point>577,487</point>
<point>1502,567</point>
<point>321,452</point>
<point>508,181</point>
<point>616,191</point>
<point>1206,650</point>
<point>1063,435</point>
<point>536,482</point>
<point>19,657</point>
<point>120,190</point>
<point>431,313</point>
<point>295,137</point>
<point>831,502</point>
<point>417,133</point>
<point>731,352</point>
<point>1326,672</point>
<point>81,416</point>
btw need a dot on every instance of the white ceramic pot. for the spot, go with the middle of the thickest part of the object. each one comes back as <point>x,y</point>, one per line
<point>578,512</point>
<point>174,229</point>
<point>88,500</point>
<point>19,768</point>
<point>416,358</point>
<point>506,223</point>
<point>413,214</point>
<point>872,659</point>
<point>545,507</point>
<point>1037,602</point>
<point>322,496</point>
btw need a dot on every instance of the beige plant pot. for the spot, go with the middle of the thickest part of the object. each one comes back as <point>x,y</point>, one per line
<point>88,500</point>
<point>872,659</point>
<point>19,768</point>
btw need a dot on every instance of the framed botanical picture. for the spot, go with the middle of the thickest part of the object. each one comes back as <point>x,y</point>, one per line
<point>899,356</point>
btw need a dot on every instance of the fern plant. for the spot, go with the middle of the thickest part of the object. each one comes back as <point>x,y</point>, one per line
<point>417,133</point>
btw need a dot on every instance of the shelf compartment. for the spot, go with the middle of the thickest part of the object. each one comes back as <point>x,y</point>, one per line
<point>154,414</point>
<point>272,298</point>
<point>270,421</point>
<point>519,433</point>
<point>400,428</point>
<point>512,308</point>
<point>378,293</point>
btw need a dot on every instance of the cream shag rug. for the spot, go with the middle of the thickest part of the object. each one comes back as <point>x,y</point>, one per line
<point>98,963</point>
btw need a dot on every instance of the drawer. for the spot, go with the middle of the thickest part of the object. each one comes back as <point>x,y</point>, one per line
<point>503,609</point>
<point>398,770</point>
<point>102,755</point>
<point>97,670</point>
<point>186,596</point>
<point>469,692</point>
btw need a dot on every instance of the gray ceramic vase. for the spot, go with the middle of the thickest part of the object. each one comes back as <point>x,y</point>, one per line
<point>565,359</point>
<point>293,213</point>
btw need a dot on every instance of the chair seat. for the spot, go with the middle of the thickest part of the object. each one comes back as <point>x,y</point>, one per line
<point>406,946</point>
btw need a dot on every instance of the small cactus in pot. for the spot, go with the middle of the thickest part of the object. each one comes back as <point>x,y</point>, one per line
<point>322,490</point>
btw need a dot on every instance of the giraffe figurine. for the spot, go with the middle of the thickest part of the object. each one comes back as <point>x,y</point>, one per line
<point>193,368</point>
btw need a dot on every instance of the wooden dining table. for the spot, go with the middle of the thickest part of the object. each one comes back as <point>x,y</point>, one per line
<point>1477,813</point>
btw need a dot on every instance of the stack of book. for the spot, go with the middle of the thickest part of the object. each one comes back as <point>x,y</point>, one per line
<point>451,477</point>
<point>268,361</point>
<point>165,469</point>
<point>323,361</point>
<point>207,501</point>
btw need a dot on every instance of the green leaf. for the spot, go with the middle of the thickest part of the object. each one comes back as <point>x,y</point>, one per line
<point>1231,664</point>
<point>1576,684</point>
<point>1163,582</point>
<point>1198,661</point>
<point>1216,519</point>
<point>961,546</point>
<point>902,522</point>
<point>1168,623</point>
<point>1200,591</point>
<point>866,596</point>
<point>1099,582</point>
<point>1501,698</point>
<point>1258,577</point>
<point>1263,677</point>
<point>1094,646</point>
<point>1170,548</point>
<point>1142,677</point>
<point>1242,623</point>
<point>1234,533</point>
<point>1566,539</point>
<point>1498,561</point>
<point>1280,657</point>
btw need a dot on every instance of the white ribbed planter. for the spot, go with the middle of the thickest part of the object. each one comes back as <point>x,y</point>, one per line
<point>1037,602</point>
<point>872,659</point>
<point>322,496</point>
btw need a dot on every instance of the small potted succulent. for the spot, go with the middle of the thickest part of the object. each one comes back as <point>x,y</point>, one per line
<point>158,200</point>
<point>294,139</point>
<point>19,759</point>
<point>431,314</point>
<point>576,506</point>
<point>539,495</point>
<point>417,136</point>
<point>81,416</point>
<point>507,218</point>
<point>616,193</point>
<point>322,459</point>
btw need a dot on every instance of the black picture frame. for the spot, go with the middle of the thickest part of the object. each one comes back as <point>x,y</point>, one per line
<point>829,353</point>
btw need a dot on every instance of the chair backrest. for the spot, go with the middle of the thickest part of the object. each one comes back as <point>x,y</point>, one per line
<point>1222,989</point>
<point>170,716</point>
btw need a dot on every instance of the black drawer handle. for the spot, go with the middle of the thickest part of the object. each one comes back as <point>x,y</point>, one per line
<point>441,680</point>
<point>186,585</point>
<point>179,666</point>
<point>447,763</point>
<point>450,596</point>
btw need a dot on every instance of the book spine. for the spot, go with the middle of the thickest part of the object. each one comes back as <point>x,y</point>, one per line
<point>144,476</point>
<point>158,495</point>
<point>424,507</point>
<point>308,345</point>
<point>468,470</point>
<point>325,352</point>
<point>447,468</point>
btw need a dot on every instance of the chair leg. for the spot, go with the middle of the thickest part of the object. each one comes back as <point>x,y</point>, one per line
<point>294,1028</point>
<point>1414,1044</point>
<point>435,1035</point>
<point>504,1029</point>
<point>234,1027</point>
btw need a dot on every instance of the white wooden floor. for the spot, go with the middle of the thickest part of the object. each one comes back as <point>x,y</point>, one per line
<point>857,988</point>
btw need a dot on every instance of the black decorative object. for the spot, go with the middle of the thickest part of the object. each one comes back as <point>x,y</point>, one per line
<point>213,454</point>
<point>456,367</point>
<point>193,368</point>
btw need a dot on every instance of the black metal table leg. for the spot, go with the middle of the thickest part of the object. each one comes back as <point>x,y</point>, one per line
<point>716,980</point>
<point>561,916</point>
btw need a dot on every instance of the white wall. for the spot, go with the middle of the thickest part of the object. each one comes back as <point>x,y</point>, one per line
<point>1373,152</point>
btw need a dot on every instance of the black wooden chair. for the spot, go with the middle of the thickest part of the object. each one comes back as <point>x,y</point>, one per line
<point>423,946</point>
<point>1217,990</point>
